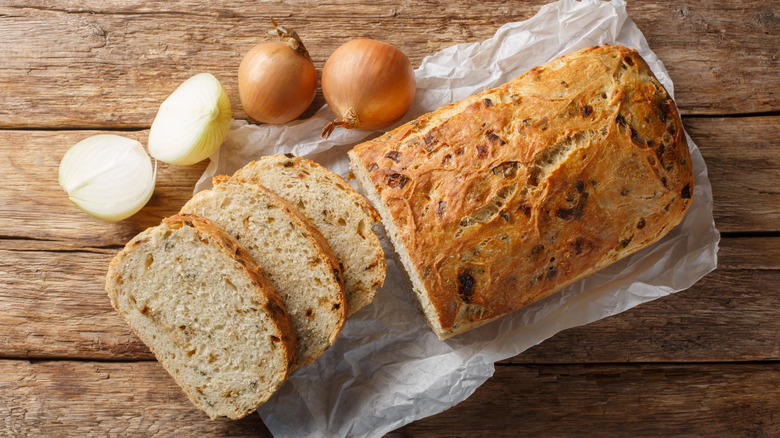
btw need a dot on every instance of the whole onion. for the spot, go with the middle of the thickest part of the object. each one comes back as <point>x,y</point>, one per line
<point>368,84</point>
<point>277,80</point>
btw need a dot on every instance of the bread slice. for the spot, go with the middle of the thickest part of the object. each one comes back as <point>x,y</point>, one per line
<point>510,195</point>
<point>337,210</point>
<point>207,312</point>
<point>293,254</point>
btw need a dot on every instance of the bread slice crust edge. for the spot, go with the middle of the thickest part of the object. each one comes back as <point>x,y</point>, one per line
<point>282,337</point>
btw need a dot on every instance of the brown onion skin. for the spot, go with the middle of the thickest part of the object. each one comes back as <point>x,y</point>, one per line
<point>371,77</point>
<point>267,69</point>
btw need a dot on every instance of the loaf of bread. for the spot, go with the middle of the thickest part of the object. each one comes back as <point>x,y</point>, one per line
<point>293,254</point>
<point>207,312</point>
<point>508,196</point>
<point>337,210</point>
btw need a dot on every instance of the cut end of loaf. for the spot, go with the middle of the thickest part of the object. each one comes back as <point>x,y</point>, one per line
<point>401,254</point>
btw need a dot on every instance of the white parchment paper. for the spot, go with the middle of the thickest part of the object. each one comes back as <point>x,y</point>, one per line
<point>387,368</point>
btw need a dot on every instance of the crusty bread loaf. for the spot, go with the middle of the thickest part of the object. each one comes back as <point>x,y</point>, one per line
<point>337,210</point>
<point>207,312</point>
<point>293,254</point>
<point>505,197</point>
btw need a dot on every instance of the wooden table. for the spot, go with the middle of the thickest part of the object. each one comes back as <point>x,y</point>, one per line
<point>701,362</point>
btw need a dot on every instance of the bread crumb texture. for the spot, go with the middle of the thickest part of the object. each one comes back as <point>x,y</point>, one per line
<point>292,253</point>
<point>334,208</point>
<point>201,304</point>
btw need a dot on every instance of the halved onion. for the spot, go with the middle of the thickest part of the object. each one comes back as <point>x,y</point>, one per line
<point>192,122</point>
<point>108,176</point>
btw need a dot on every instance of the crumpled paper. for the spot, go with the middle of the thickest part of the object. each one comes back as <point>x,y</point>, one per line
<point>387,368</point>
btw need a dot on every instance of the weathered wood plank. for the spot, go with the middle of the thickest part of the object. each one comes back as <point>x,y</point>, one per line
<point>713,400</point>
<point>63,398</point>
<point>110,63</point>
<point>52,305</point>
<point>722,316</point>
<point>730,315</point>
<point>138,398</point>
<point>35,206</point>
<point>742,156</point>
<point>732,149</point>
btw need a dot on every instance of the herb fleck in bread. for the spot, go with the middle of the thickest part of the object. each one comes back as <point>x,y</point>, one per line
<point>337,210</point>
<point>207,312</point>
<point>293,254</point>
<point>508,196</point>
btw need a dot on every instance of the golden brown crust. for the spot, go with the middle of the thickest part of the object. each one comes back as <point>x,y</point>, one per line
<point>511,194</point>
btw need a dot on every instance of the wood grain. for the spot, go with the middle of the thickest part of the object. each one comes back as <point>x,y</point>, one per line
<point>703,362</point>
<point>52,305</point>
<point>712,400</point>
<point>742,156</point>
<point>36,207</point>
<point>111,63</point>
<point>732,149</point>
<point>63,398</point>
<point>730,315</point>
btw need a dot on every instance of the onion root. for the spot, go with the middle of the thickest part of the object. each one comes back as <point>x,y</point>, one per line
<point>350,121</point>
